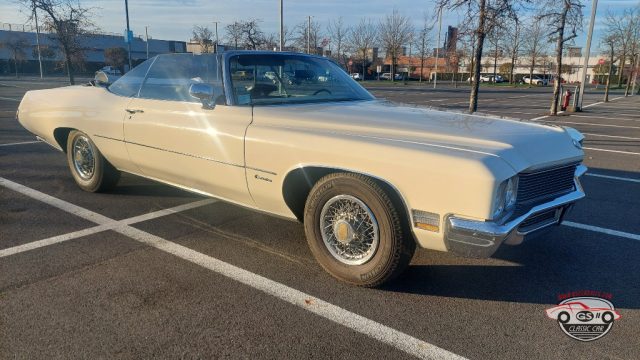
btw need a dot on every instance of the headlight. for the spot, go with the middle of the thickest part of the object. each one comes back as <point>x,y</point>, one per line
<point>506,196</point>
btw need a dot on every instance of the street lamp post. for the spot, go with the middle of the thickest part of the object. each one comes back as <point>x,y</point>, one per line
<point>435,80</point>
<point>215,48</point>
<point>126,9</point>
<point>281,25</point>
<point>146,39</point>
<point>308,34</point>
<point>35,16</point>
<point>594,6</point>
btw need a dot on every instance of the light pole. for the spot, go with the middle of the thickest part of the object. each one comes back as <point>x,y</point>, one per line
<point>594,6</point>
<point>146,38</point>
<point>126,10</point>
<point>308,34</point>
<point>281,25</point>
<point>435,80</point>
<point>35,16</point>
<point>215,48</point>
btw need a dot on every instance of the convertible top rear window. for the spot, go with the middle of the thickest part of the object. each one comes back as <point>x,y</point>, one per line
<point>266,79</point>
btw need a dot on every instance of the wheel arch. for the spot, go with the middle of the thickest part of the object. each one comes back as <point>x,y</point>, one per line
<point>61,135</point>
<point>298,182</point>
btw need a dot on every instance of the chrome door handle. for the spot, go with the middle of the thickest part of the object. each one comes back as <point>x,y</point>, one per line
<point>133,111</point>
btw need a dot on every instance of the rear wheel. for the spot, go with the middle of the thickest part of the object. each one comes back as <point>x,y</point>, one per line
<point>355,231</point>
<point>91,171</point>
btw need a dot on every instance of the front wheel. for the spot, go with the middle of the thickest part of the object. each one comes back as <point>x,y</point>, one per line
<point>91,171</point>
<point>355,231</point>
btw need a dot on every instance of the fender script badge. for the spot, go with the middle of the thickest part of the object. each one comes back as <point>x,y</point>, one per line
<point>262,178</point>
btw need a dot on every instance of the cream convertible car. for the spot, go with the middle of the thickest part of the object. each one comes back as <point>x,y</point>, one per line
<point>293,135</point>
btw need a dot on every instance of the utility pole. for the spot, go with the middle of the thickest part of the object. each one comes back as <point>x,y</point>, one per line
<point>435,80</point>
<point>594,6</point>
<point>146,39</point>
<point>126,9</point>
<point>215,48</point>
<point>281,26</point>
<point>308,34</point>
<point>35,16</point>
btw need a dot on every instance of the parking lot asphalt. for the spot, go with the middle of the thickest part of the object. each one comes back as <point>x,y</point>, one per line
<point>149,271</point>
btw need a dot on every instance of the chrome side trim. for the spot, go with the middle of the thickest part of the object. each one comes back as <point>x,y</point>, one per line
<point>48,143</point>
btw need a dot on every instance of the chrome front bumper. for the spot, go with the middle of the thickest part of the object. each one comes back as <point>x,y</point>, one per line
<point>472,238</point>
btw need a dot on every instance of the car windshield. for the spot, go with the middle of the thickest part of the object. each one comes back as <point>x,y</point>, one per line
<point>267,79</point>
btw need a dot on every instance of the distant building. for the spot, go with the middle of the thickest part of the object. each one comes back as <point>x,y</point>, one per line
<point>451,40</point>
<point>94,46</point>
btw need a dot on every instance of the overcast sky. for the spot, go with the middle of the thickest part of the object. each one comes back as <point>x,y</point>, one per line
<point>174,19</point>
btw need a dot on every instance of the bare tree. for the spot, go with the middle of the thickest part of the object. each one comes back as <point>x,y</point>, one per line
<point>512,43</point>
<point>252,35</point>
<point>423,39</point>
<point>564,18</point>
<point>69,21</point>
<point>234,33</point>
<point>488,13</point>
<point>16,46</point>
<point>495,38</point>
<point>609,41</point>
<point>339,32</point>
<point>534,43</point>
<point>361,39</point>
<point>308,36</point>
<point>116,57</point>
<point>394,32</point>
<point>204,37</point>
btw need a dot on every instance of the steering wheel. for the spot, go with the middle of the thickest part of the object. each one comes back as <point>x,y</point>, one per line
<point>322,90</point>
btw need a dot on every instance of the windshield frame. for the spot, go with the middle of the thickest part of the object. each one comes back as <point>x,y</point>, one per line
<point>231,96</point>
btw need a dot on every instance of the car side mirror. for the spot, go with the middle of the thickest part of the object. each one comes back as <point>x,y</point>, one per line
<point>205,93</point>
<point>101,79</point>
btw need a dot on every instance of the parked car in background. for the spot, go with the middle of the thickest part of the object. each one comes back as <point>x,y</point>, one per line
<point>488,78</point>
<point>387,76</point>
<point>110,70</point>
<point>535,80</point>
<point>370,180</point>
<point>356,76</point>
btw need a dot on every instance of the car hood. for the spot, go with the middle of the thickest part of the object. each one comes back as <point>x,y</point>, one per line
<point>522,144</point>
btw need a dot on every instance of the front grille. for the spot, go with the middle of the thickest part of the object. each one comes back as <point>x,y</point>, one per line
<point>540,186</point>
<point>538,220</point>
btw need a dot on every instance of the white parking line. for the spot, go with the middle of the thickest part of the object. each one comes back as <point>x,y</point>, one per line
<point>592,124</point>
<point>612,151</point>
<point>614,177</point>
<point>9,99</point>
<point>612,117</point>
<point>21,143</point>
<point>612,136</point>
<point>100,228</point>
<point>584,107</point>
<point>353,321</point>
<point>602,230</point>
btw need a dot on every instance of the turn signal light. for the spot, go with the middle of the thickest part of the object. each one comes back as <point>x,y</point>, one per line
<point>426,220</point>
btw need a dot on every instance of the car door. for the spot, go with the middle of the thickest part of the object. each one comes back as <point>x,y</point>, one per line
<point>172,138</point>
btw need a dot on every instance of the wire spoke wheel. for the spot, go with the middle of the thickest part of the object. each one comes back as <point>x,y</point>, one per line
<point>84,160</point>
<point>349,230</point>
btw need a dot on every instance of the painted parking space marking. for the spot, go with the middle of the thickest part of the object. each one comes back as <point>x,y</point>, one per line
<point>334,313</point>
<point>613,151</point>
<point>9,99</point>
<point>619,178</point>
<point>104,227</point>
<point>602,230</point>
<point>612,136</point>
<point>585,123</point>
<point>604,117</point>
<point>21,143</point>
